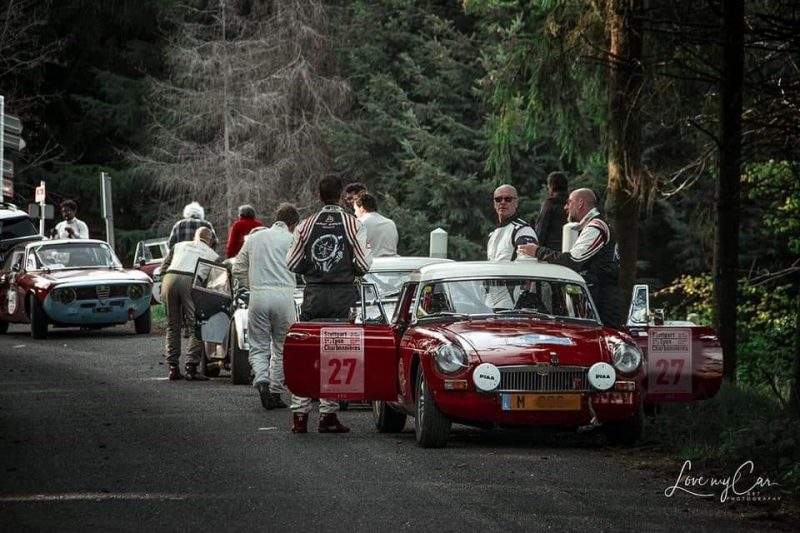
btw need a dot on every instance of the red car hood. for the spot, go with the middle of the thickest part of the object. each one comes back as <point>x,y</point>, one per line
<point>93,276</point>
<point>516,342</point>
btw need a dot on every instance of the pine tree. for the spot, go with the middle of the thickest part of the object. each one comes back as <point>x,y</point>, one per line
<point>240,118</point>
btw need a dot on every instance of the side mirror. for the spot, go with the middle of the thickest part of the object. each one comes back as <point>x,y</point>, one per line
<point>142,262</point>
<point>16,268</point>
<point>639,312</point>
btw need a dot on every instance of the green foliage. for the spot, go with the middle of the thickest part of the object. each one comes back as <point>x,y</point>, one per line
<point>540,81</point>
<point>416,137</point>
<point>776,184</point>
<point>767,317</point>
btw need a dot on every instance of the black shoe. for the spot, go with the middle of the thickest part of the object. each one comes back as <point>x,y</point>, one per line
<point>277,402</point>
<point>174,373</point>
<point>193,375</point>
<point>264,394</point>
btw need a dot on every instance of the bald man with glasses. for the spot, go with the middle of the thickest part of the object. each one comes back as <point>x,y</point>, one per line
<point>511,231</point>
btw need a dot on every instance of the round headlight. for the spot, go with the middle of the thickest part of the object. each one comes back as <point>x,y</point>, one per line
<point>136,291</point>
<point>627,357</point>
<point>450,358</point>
<point>64,296</point>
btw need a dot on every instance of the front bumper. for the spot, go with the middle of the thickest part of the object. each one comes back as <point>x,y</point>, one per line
<point>487,408</point>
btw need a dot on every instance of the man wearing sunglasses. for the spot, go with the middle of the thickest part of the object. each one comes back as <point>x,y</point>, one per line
<point>511,231</point>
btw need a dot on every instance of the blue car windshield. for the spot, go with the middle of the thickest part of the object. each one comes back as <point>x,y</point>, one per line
<point>78,255</point>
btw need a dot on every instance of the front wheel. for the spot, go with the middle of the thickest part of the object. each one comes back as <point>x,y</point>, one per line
<point>387,420</point>
<point>38,319</point>
<point>240,364</point>
<point>143,324</point>
<point>431,426</point>
<point>210,368</point>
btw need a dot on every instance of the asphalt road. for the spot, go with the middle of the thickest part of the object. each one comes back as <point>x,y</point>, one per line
<point>94,438</point>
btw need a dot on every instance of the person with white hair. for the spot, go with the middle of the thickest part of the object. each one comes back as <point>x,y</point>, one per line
<point>184,229</point>
<point>176,293</point>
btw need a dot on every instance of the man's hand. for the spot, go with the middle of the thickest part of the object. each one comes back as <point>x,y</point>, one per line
<point>70,233</point>
<point>528,249</point>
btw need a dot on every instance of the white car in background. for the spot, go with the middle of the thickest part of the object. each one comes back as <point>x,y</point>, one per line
<point>387,273</point>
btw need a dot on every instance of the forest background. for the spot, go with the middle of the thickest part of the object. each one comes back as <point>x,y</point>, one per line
<point>682,115</point>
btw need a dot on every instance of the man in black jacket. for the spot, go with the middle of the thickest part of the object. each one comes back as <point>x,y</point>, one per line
<point>594,255</point>
<point>552,216</point>
<point>330,250</point>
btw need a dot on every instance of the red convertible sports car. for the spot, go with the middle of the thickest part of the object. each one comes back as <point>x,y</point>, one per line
<point>486,344</point>
<point>73,282</point>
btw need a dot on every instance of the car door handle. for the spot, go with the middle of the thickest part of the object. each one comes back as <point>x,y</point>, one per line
<point>297,336</point>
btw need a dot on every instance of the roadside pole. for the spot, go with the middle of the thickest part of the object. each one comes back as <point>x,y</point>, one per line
<point>40,198</point>
<point>438,243</point>
<point>108,211</point>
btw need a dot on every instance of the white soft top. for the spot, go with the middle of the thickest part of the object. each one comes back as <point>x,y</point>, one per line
<point>66,241</point>
<point>400,262</point>
<point>522,268</point>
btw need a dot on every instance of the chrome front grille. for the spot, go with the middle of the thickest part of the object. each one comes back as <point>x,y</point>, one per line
<point>103,291</point>
<point>94,293</point>
<point>543,378</point>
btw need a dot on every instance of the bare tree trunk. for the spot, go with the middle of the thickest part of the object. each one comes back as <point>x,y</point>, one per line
<point>624,134</point>
<point>794,398</point>
<point>226,114</point>
<point>726,249</point>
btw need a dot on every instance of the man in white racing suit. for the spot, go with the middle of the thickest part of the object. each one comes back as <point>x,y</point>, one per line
<point>511,231</point>
<point>260,265</point>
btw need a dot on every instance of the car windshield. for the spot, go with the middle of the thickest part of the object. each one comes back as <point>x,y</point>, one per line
<point>503,297</point>
<point>77,255</point>
<point>388,283</point>
<point>148,251</point>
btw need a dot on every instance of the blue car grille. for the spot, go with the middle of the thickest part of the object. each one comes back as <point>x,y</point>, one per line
<point>543,378</point>
<point>101,292</point>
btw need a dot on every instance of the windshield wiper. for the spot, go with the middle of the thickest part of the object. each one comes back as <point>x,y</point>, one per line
<point>449,314</point>
<point>526,311</point>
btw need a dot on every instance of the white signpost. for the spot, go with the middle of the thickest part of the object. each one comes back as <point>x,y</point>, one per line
<point>39,197</point>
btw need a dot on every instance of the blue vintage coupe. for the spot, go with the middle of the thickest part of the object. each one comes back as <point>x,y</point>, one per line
<point>69,283</point>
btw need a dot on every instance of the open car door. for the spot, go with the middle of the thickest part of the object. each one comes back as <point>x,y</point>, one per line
<point>684,360</point>
<point>212,294</point>
<point>352,360</point>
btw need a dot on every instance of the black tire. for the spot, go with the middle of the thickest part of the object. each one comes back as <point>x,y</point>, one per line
<point>432,428</point>
<point>144,323</point>
<point>240,364</point>
<point>3,327</point>
<point>38,319</point>
<point>625,432</point>
<point>387,420</point>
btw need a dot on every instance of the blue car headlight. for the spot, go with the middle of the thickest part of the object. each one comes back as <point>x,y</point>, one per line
<point>450,358</point>
<point>64,296</point>
<point>138,290</point>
